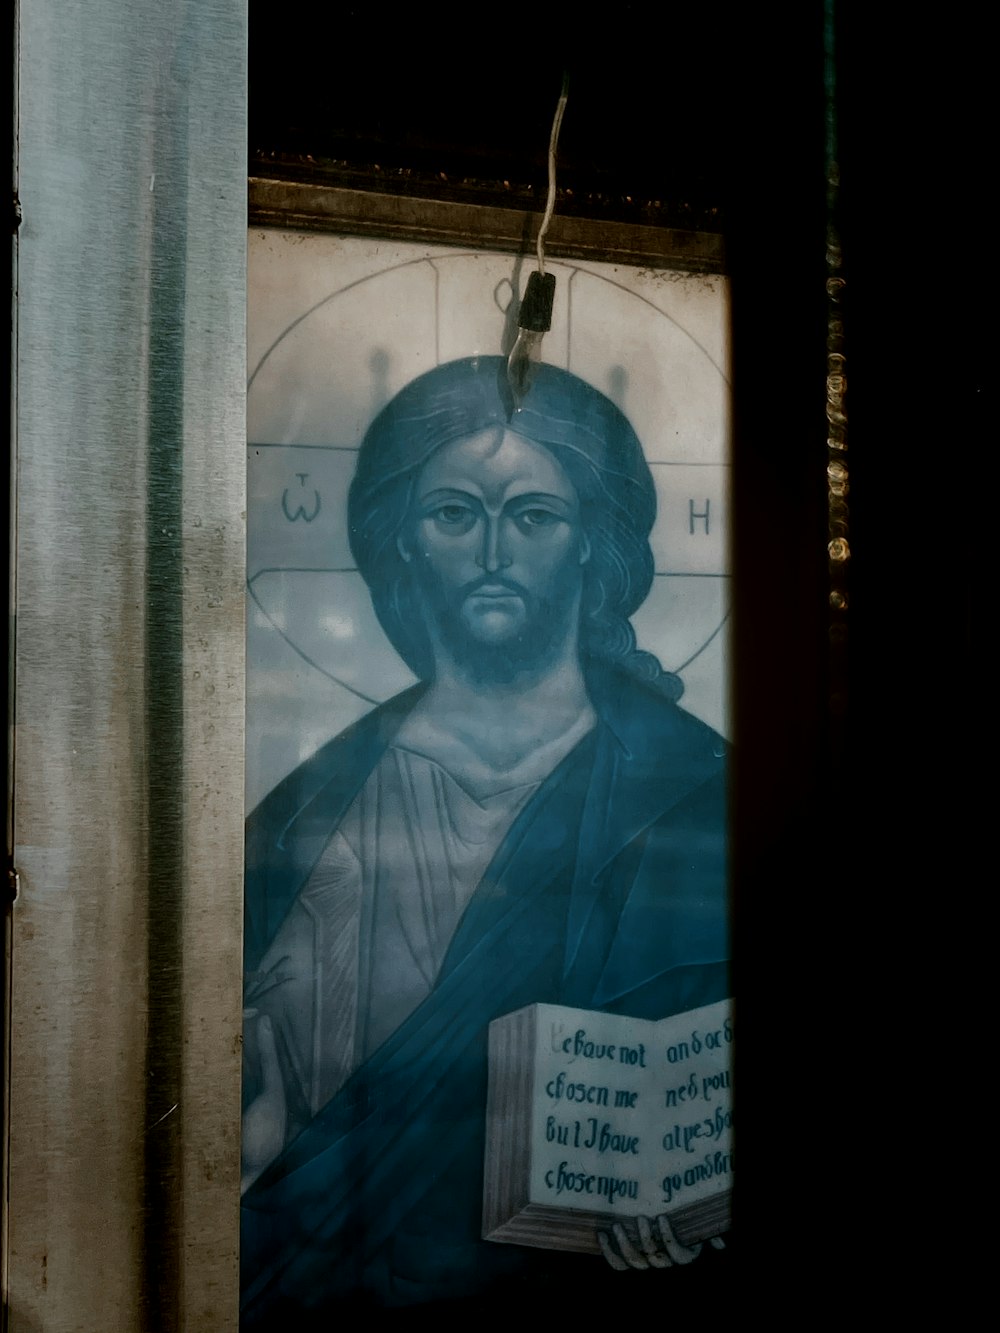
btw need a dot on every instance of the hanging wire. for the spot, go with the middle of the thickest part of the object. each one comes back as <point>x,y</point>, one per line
<point>534,318</point>
<point>551,200</point>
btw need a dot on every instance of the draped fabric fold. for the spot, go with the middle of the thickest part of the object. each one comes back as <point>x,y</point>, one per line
<point>608,891</point>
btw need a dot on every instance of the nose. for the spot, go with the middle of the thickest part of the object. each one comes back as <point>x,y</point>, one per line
<point>493,554</point>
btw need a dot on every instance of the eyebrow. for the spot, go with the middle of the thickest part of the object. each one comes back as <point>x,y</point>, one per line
<point>524,498</point>
<point>442,491</point>
<point>541,497</point>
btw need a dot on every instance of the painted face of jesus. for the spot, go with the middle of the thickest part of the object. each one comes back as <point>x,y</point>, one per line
<point>497,549</point>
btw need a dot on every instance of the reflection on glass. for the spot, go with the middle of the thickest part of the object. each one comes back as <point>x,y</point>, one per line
<point>521,815</point>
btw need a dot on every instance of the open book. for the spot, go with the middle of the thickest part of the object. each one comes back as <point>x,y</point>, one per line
<point>594,1118</point>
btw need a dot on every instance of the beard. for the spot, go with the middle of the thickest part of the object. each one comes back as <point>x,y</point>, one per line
<point>536,638</point>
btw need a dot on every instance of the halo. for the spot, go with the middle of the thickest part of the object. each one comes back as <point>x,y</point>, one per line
<point>317,658</point>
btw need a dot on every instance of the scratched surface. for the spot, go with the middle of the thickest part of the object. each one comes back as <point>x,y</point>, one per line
<point>126,954</point>
<point>339,325</point>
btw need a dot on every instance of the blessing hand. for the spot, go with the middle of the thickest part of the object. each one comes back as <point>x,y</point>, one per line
<point>659,1250</point>
<point>266,1118</point>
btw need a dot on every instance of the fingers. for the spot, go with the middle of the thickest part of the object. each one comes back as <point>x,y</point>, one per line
<point>270,1069</point>
<point>630,1254</point>
<point>622,1254</point>
<point>648,1244</point>
<point>680,1254</point>
<point>618,1264</point>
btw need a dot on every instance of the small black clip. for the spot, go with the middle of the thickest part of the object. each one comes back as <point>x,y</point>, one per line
<point>535,314</point>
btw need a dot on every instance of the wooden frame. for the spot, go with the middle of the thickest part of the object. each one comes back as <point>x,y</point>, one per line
<point>279,201</point>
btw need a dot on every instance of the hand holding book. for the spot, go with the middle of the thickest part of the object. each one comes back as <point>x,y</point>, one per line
<point>602,1123</point>
<point>659,1250</point>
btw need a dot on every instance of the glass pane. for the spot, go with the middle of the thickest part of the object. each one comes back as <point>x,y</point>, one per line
<point>486,953</point>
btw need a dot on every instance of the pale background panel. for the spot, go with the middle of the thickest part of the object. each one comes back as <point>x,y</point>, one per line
<point>625,341</point>
<point>337,368</point>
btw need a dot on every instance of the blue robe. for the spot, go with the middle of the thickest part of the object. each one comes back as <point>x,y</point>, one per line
<point>608,892</point>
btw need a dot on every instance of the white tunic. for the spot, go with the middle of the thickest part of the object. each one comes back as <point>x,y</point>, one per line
<point>365,939</point>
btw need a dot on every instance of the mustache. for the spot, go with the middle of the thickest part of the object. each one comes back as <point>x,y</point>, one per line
<point>492,581</point>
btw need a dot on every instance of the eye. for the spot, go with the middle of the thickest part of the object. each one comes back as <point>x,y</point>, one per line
<point>537,518</point>
<point>454,517</point>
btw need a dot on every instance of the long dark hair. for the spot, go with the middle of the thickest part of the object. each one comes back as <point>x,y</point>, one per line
<point>594,444</point>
